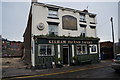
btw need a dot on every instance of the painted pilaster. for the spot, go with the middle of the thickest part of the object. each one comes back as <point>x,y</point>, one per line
<point>33,52</point>
<point>58,51</point>
<point>73,52</point>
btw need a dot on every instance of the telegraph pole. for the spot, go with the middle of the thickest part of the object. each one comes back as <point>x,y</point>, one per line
<point>113,36</point>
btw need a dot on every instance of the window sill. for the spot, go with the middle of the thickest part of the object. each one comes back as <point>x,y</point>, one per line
<point>92,23</point>
<point>69,29</point>
<point>93,53</point>
<point>93,27</point>
<point>82,21</point>
<point>53,17</point>
<point>82,54</point>
<point>45,55</point>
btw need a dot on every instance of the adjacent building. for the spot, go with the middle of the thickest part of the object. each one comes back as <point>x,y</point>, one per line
<point>106,50</point>
<point>0,46</point>
<point>11,48</point>
<point>60,36</point>
<point>117,47</point>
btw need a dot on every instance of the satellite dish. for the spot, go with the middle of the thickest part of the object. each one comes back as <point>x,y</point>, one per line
<point>40,26</point>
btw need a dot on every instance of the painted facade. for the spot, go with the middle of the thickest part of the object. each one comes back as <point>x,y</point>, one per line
<point>60,36</point>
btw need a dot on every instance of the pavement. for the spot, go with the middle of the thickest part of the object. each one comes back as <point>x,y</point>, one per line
<point>23,72</point>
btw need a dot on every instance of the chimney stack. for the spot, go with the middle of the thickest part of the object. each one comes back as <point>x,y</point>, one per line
<point>34,1</point>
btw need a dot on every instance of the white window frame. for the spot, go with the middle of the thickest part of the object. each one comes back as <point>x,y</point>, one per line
<point>82,49</point>
<point>90,48</point>
<point>52,51</point>
<point>52,13</point>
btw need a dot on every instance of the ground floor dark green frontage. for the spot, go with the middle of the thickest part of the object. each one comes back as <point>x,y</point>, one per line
<point>58,52</point>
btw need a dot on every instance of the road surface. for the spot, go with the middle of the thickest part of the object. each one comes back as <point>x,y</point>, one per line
<point>100,72</point>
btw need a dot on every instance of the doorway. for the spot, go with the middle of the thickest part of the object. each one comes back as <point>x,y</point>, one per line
<point>65,55</point>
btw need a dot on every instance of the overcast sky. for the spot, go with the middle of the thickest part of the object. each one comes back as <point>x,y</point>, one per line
<point>119,20</point>
<point>15,16</point>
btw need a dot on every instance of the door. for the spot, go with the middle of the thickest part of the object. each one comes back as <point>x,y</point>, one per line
<point>65,55</point>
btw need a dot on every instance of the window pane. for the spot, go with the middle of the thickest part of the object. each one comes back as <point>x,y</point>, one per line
<point>52,13</point>
<point>49,49</point>
<point>82,49</point>
<point>69,22</point>
<point>82,34</point>
<point>117,57</point>
<point>79,50</point>
<point>82,17</point>
<point>42,49</point>
<point>46,50</point>
<point>53,29</point>
<point>93,49</point>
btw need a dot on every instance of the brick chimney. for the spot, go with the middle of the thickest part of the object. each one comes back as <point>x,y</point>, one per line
<point>85,10</point>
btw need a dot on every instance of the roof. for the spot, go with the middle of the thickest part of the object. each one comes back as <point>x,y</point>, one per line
<point>63,8</point>
<point>106,42</point>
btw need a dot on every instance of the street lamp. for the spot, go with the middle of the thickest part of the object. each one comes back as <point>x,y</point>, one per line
<point>113,36</point>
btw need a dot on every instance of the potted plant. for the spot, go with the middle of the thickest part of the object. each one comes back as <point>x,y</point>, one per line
<point>74,60</point>
<point>59,63</point>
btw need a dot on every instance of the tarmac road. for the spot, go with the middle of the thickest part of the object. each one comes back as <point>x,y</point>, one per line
<point>98,72</point>
<point>104,72</point>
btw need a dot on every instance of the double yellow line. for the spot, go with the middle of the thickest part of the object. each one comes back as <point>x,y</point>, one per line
<point>79,69</point>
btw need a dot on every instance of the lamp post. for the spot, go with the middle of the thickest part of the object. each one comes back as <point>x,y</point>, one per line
<point>113,36</point>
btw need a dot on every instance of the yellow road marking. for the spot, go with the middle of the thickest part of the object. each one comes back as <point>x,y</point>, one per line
<point>79,69</point>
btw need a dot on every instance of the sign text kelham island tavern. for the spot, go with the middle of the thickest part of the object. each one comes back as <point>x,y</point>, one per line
<point>60,36</point>
<point>69,42</point>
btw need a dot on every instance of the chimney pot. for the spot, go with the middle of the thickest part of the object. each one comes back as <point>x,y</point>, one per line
<point>34,1</point>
